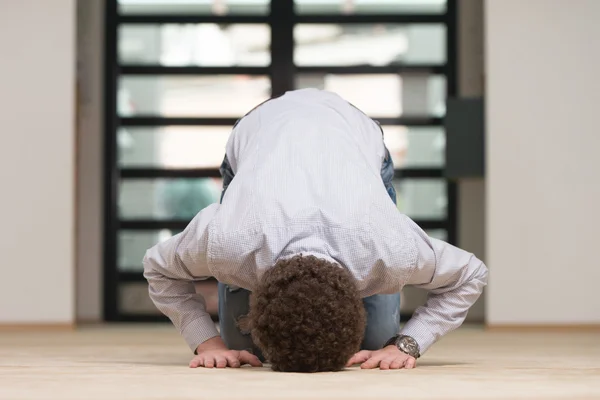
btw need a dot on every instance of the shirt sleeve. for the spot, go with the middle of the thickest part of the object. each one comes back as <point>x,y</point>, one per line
<point>454,278</point>
<point>172,267</point>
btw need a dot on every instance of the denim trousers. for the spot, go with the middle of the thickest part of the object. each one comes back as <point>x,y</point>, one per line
<point>383,310</point>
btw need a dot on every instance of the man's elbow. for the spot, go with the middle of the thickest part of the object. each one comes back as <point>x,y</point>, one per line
<point>150,263</point>
<point>481,274</point>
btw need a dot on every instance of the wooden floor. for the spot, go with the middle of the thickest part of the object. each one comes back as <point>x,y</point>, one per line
<point>150,362</point>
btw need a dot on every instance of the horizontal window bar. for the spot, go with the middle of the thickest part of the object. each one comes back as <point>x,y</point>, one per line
<point>141,173</point>
<point>372,18</point>
<point>180,225</point>
<point>194,121</point>
<point>159,70</point>
<point>138,276</point>
<point>176,121</point>
<point>144,225</point>
<point>356,69</point>
<point>150,318</point>
<point>419,173</point>
<point>131,276</point>
<point>306,19</point>
<point>170,173</point>
<point>192,19</point>
<point>411,121</point>
<point>369,69</point>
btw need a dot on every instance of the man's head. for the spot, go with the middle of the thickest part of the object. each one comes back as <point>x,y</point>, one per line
<point>307,316</point>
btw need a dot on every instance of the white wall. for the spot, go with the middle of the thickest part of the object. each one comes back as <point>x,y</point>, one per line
<point>543,163</point>
<point>37,145</point>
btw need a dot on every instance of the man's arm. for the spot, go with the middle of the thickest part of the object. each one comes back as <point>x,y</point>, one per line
<point>171,267</point>
<point>454,278</point>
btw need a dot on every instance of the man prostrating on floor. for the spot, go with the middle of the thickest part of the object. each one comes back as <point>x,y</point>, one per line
<point>309,250</point>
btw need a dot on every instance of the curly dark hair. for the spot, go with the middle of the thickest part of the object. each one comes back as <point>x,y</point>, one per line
<point>307,316</point>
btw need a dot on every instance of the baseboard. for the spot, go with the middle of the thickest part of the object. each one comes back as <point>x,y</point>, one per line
<point>37,327</point>
<point>542,327</point>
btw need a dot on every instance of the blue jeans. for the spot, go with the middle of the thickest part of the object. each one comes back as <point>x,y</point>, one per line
<point>383,310</point>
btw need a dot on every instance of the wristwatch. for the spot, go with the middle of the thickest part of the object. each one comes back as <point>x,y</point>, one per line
<point>405,344</point>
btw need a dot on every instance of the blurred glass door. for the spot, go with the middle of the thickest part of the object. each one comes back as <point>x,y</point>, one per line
<point>179,73</point>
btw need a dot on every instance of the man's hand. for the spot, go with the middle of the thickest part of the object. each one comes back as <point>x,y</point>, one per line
<point>389,357</point>
<point>213,353</point>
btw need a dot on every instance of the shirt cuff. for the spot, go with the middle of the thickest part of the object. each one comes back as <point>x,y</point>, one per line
<point>199,331</point>
<point>418,331</point>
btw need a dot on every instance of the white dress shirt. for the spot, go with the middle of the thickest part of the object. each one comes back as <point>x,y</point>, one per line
<point>307,181</point>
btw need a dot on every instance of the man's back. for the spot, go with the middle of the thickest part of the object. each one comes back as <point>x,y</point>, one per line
<point>297,156</point>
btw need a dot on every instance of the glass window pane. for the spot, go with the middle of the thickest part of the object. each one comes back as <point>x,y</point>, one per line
<point>132,246</point>
<point>173,146</point>
<point>198,96</point>
<point>369,44</point>
<point>186,7</point>
<point>422,198</point>
<point>416,147</point>
<point>385,95</point>
<point>370,6</point>
<point>205,45</point>
<point>167,198</point>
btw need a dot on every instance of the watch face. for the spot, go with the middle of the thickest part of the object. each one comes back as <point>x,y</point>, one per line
<point>409,346</point>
